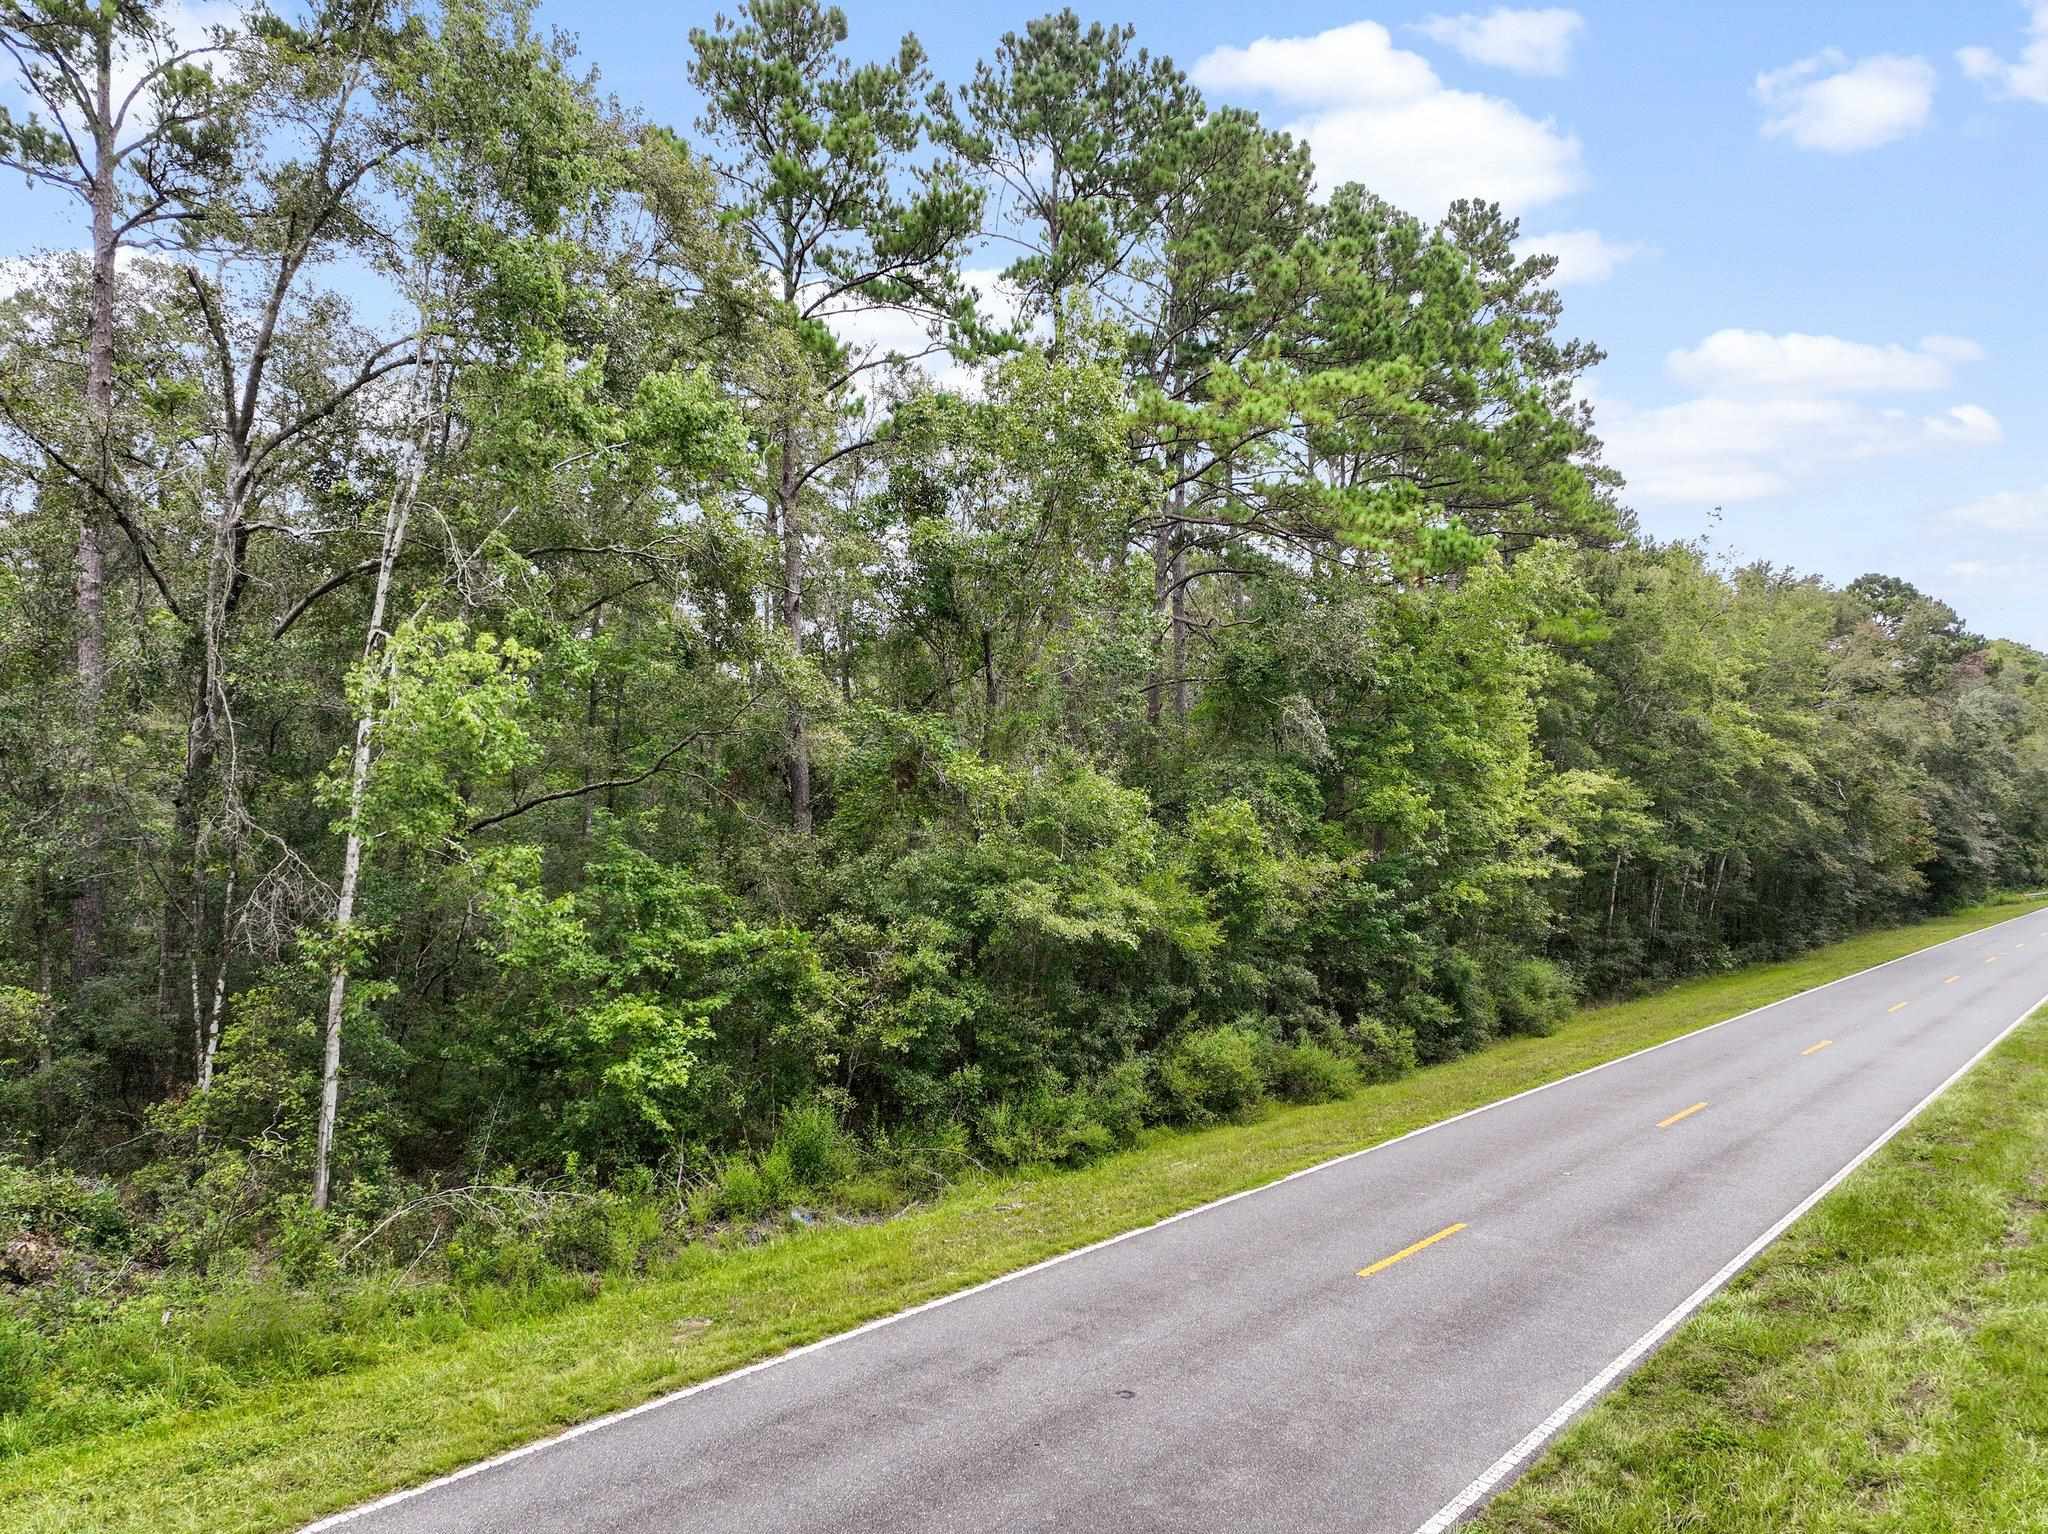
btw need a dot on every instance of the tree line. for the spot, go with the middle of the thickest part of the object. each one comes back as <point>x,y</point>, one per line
<point>535,638</point>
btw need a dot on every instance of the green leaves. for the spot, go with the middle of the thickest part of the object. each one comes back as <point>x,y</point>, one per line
<point>449,710</point>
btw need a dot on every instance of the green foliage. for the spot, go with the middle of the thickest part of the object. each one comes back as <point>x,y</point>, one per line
<point>1535,996</point>
<point>21,1365</point>
<point>65,1207</point>
<point>1308,1072</point>
<point>818,1152</point>
<point>1385,1053</point>
<point>1212,1074</point>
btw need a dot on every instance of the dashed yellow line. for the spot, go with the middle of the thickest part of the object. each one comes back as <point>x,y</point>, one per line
<point>1992,960</point>
<point>1897,1006</point>
<point>1409,1251</point>
<point>1952,979</point>
<point>1814,1049</point>
<point>1683,1113</point>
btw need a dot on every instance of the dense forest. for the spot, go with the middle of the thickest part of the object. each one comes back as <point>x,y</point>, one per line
<point>549,649</point>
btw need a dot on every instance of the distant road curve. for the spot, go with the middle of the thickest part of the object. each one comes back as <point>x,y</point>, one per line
<point>1374,1344</point>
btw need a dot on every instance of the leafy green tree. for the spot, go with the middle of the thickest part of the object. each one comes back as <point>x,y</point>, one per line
<point>817,154</point>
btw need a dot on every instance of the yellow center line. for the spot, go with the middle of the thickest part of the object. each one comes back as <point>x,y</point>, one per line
<point>1409,1251</point>
<point>1895,1006</point>
<point>1683,1113</point>
<point>1952,979</point>
<point>1814,1049</point>
<point>1992,960</point>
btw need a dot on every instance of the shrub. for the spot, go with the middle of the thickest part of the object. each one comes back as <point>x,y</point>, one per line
<point>1309,1073</point>
<point>1121,1099</point>
<point>1212,1074</point>
<point>1535,996</point>
<point>576,1233</point>
<point>748,1188</point>
<point>817,1149</point>
<point>1047,1123</point>
<point>305,1251</point>
<point>72,1209</point>
<point>1429,1021</point>
<point>1465,986</point>
<point>1385,1051</point>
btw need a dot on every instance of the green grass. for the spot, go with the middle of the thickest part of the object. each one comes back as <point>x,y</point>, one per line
<point>281,1454</point>
<point>1883,1367</point>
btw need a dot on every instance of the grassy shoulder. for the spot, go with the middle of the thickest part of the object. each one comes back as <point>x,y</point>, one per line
<point>402,1406</point>
<point>1879,1369</point>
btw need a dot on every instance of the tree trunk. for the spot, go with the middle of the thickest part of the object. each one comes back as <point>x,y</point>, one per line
<point>209,1044</point>
<point>374,641</point>
<point>88,911</point>
<point>1162,579</point>
<point>788,493</point>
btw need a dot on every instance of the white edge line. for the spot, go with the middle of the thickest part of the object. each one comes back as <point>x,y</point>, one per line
<point>1502,1468</point>
<point>406,1494</point>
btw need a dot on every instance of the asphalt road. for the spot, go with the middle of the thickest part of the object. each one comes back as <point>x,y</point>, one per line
<point>1260,1363</point>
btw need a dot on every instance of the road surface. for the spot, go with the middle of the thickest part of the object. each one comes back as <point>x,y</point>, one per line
<point>1372,1345</point>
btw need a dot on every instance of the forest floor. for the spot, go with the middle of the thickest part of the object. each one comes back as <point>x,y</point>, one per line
<point>1879,1370</point>
<point>271,1458</point>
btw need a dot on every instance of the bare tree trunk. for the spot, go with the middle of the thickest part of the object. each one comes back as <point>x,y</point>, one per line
<point>788,492</point>
<point>1162,579</point>
<point>1179,625</point>
<point>88,912</point>
<point>210,1042</point>
<point>374,641</point>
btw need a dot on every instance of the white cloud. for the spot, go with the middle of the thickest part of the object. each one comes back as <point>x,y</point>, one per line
<point>1774,413</point>
<point>1827,103</point>
<point>1972,425</point>
<point>1537,42</point>
<point>1584,256</point>
<point>1720,451</point>
<point>2026,78</point>
<point>1970,569</point>
<point>1755,361</point>
<point>1345,64</point>
<point>2007,511</point>
<point>1378,114</point>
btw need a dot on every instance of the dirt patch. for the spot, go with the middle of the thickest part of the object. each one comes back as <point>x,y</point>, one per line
<point>1918,1396</point>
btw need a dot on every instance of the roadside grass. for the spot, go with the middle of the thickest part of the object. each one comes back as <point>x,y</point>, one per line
<point>1882,1367</point>
<point>277,1456</point>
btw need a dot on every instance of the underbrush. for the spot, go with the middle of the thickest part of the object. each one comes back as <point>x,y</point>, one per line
<point>202,1280</point>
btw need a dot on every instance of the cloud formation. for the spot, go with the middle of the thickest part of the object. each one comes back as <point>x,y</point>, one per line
<point>2024,79</point>
<point>1774,412</point>
<point>1829,104</point>
<point>1378,114</point>
<point>1584,256</point>
<point>1532,42</point>
<point>2007,511</point>
<point>1755,361</point>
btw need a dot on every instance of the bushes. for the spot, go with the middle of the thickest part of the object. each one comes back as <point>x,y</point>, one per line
<point>1046,1125</point>
<point>817,1150</point>
<point>1310,1073</point>
<point>1385,1052</point>
<point>72,1210</point>
<point>1212,1074</point>
<point>1535,996</point>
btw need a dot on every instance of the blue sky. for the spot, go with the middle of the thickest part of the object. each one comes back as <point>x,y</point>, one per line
<point>1808,235</point>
